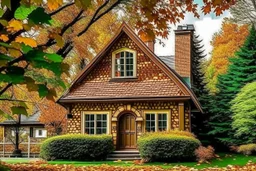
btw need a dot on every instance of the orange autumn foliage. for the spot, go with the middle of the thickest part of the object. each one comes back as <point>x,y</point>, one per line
<point>225,43</point>
<point>86,46</point>
<point>153,18</point>
<point>53,116</point>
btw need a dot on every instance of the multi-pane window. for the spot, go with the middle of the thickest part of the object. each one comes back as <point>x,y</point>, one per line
<point>124,64</point>
<point>156,122</point>
<point>162,121</point>
<point>150,122</point>
<point>95,123</point>
<point>101,124</point>
<point>89,123</point>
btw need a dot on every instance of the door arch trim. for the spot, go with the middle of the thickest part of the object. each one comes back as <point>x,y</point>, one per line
<point>126,109</point>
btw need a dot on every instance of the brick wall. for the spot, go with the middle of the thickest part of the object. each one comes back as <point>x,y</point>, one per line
<point>74,124</point>
<point>183,54</point>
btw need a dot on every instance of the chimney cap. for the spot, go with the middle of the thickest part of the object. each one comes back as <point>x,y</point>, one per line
<point>186,27</point>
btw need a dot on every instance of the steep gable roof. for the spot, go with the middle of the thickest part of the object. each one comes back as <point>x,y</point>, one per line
<point>177,80</point>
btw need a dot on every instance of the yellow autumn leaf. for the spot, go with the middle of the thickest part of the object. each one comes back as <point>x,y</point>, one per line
<point>4,38</point>
<point>27,41</point>
<point>14,52</point>
<point>36,2</point>
<point>14,25</point>
<point>15,45</point>
<point>59,40</point>
<point>2,49</point>
<point>54,4</point>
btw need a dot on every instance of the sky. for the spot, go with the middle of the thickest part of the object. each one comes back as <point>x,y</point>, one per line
<point>205,27</point>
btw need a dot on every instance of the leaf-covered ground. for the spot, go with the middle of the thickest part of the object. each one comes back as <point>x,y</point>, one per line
<point>224,161</point>
<point>49,167</point>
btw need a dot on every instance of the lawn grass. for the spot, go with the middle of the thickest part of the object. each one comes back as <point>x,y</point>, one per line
<point>233,159</point>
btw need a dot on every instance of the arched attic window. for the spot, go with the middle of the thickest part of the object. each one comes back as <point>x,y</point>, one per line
<point>124,63</point>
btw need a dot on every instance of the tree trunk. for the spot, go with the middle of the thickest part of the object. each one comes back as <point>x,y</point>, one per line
<point>17,151</point>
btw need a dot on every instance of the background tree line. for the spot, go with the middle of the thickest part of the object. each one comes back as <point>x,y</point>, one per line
<point>229,80</point>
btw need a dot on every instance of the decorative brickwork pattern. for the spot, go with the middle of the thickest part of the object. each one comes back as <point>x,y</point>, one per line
<point>74,124</point>
<point>151,80</point>
<point>183,54</point>
<point>175,117</point>
<point>187,117</point>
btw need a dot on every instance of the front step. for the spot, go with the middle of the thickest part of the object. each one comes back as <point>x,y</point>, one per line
<point>124,155</point>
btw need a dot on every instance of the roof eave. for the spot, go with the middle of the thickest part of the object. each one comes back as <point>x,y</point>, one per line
<point>111,99</point>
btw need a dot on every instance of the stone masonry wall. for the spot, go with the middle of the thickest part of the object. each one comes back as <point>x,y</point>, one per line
<point>74,124</point>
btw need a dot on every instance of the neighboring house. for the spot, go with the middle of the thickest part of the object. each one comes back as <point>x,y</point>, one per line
<point>127,90</point>
<point>29,126</point>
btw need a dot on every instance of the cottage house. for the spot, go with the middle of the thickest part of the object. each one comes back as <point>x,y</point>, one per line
<point>29,126</point>
<point>127,89</point>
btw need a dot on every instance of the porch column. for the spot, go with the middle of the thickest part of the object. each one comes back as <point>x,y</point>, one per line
<point>114,132</point>
<point>181,116</point>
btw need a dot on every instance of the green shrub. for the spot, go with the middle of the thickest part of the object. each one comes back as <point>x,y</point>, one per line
<point>168,146</point>
<point>247,149</point>
<point>77,147</point>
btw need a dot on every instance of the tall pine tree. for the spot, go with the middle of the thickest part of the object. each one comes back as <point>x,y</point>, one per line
<point>198,85</point>
<point>242,70</point>
<point>198,56</point>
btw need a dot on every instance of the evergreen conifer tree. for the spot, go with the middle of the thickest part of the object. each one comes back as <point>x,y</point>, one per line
<point>242,70</point>
<point>198,56</point>
<point>199,120</point>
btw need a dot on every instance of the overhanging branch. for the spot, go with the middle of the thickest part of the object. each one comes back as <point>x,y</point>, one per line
<point>5,88</point>
<point>61,8</point>
<point>97,17</point>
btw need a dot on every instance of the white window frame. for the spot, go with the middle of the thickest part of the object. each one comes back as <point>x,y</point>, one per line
<point>21,132</point>
<point>156,112</point>
<point>134,62</point>
<point>44,133</point>
<point>95,127</point>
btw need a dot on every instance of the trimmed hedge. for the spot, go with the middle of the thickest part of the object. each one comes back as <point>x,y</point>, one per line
<point>77,147</point>
<point>168,146</point>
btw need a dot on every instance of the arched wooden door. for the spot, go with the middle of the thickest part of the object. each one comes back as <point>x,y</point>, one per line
<point>127,132</point>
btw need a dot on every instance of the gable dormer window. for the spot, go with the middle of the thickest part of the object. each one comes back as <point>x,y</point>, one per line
<point>124,63</point>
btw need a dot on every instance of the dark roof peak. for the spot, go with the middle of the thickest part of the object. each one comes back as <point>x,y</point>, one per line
<point>186,27</point>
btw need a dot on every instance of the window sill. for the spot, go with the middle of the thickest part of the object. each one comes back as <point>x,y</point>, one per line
<point>124,79</point>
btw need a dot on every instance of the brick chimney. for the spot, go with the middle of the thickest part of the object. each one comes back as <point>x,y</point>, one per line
<point>151,45</point>
<point>183,51</point>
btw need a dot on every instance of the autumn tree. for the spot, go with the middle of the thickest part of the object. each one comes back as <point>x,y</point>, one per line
<point>225,43</point>
<point>20,96</point>
<point>87,45</point>
<point>53,116</point>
